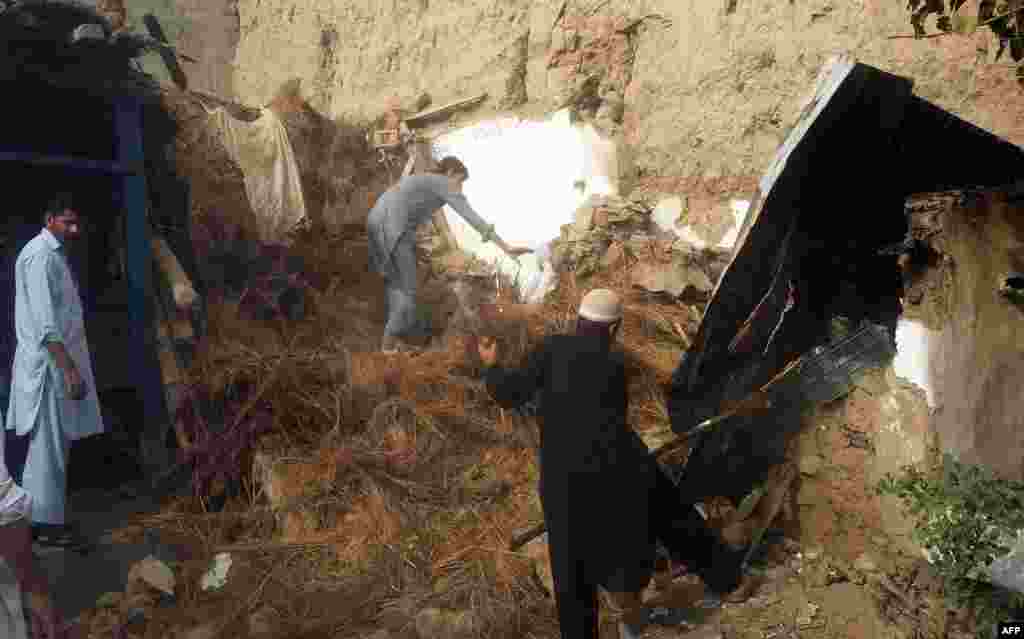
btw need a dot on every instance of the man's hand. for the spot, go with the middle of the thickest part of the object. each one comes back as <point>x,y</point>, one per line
<point>73,383</point>
<point>516,251</point>
<point>488,349</point>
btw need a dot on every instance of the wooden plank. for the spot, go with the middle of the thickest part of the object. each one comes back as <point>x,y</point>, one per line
<point>82,164</point>
<point>167,54</point>
<point>139,257</point>
<point>421,118</point>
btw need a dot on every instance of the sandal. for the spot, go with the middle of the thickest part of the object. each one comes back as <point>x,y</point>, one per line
<point>60,536</point>
<point>670,617</point>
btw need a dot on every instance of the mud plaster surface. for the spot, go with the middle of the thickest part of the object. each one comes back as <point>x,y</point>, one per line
<point>710,92</point>
<point>982,346</point>
<point>880,427</point>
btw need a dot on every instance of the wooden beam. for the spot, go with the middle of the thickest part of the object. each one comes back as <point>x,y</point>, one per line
<point>139,257</point>
<point>70,162</point>
<point>423,117</point>
<point>167,54</point>
<point>240,111</point>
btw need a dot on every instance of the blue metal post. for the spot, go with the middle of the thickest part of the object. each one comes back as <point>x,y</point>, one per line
<point>144,364</point>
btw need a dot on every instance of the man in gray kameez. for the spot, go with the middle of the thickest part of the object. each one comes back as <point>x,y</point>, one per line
<point>53,393</point>
<point>392,228</point>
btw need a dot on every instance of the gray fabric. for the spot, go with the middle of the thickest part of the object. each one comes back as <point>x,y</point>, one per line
<point>401,290</point>
<point>392,225</point>
<point>12,616</point>
<point>407,205</point>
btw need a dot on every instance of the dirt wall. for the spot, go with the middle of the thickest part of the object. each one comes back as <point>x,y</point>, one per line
<point>711,87</point>
<point>979,355</point>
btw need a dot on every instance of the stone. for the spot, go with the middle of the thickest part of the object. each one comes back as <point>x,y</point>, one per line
<point>435,623</point>
<point>263,623</point>
<point>614,257</point>
<point>217,575</point>
<point>668,214</point>
<point>808,494</point>
<point>865,563</point>
<point>806,617</point>
<point>810,465</point>
<point>673,279</point>
<point>706,632</point>
<point>154,573</point>
<point>109,600</point>
<point>537,551</point>
<point>206,631</point>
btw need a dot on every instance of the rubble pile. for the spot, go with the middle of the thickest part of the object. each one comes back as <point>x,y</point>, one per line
<point>615,234</point>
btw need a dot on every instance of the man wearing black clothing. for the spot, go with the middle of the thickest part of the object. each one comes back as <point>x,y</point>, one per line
<point>606,502</point>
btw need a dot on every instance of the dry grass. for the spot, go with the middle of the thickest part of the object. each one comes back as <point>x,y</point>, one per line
<point>400,478</point>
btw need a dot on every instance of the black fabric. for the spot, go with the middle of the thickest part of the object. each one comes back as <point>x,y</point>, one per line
<point>686,536</point>
<point>596,474</point>
<point>605,499</point>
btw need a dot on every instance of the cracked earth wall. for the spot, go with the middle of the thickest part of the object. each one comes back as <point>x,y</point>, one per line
<point>711,92</point>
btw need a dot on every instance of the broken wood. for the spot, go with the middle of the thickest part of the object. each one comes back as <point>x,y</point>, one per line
<point>526,537</point>
<point>167,53</point>
<point>240,111</point>
<point>423,117</point>
<point>269,546</point>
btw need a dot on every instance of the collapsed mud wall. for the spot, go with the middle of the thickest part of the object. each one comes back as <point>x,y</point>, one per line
<point>708,89</point>
<point>972,247</point>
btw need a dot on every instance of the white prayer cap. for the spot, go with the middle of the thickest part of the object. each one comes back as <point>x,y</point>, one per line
<point>601,305</point>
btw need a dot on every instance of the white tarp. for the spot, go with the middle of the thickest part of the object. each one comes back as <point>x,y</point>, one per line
<point>911,362</point>
<point>527,178</point>
<point>264,154</point>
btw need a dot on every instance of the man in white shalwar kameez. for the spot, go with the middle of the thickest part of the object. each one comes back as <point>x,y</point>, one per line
<point>53,394</point>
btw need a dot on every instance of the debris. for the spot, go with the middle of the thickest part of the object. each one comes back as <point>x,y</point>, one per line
<point>668,214</point>
<point>673,279</point>
<point>806,617</point>
<point>424,117</point>
<point>109,600</point>
<point>434,623</point>
<point>813,553</point>
<point>707,632</point>
<point>614,258</point>
<point>865,563</point>
<point>217,575</point>
<point>263,623</point>
<point>811,465</point>
<point>154,573</point>
<point>537,551</point>
<point>205,631</point>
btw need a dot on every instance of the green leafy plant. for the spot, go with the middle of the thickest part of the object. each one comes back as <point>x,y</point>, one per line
<point>966,519</point>
<point>1002,17</point>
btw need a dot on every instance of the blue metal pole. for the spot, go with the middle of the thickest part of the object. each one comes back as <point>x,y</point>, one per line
<point>139,260</point>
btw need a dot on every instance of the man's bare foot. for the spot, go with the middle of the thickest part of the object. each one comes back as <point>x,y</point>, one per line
<point>776,487</point>
<point>739,534</point>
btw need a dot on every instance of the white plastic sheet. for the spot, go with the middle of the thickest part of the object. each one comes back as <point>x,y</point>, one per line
<point>264,154</point>
<point>912,362</point>
<point>527,178</point>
